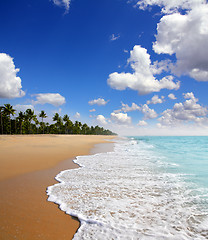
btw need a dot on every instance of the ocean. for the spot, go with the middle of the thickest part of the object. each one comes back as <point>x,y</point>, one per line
<point>147,188</point>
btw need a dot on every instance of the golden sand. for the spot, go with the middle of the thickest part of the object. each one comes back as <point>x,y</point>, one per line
<point>28,165</point>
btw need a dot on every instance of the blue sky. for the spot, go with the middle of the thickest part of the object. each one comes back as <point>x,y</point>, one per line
<point>135,67</point>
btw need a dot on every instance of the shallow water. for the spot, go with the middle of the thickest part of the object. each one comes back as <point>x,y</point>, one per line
<point>148,188</point>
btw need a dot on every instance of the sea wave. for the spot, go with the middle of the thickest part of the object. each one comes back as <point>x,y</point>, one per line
<point>126,194</point>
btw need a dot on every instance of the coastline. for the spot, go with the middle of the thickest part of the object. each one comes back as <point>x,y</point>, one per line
<point>25,211</point>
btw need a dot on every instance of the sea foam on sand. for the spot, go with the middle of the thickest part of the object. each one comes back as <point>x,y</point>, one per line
<point>126,194</point>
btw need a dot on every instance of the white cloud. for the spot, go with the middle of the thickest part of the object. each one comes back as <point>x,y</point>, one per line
<point>155,99</point>
<point>63,3</point>
<point>202,122</point>
<point>183,34</point>
<point>185,118</point>
<point>142,80</point>
<point>52,98</point>
<point>172,96</point>
<point>77,115</point>
<point>101,120</point>
<point>121,118</point>
<point>148,112</point>
<point>142,123</point>
<point>10,84</point>
<point>159,67</point>
<point>189,95</point>
<point>188,111</point>
<point>114,37</point>
<point>127,108</point>
<point>169,6</point>
<point>99,102</point>
<point>92,110</point>
<point>186,36</point>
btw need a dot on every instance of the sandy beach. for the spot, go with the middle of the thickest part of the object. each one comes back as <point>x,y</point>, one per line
<point>28,166</point>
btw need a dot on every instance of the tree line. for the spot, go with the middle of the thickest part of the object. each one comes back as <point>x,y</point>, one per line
<point>27,123</point>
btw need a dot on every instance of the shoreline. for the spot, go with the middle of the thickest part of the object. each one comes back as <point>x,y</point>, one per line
<point>25,211</point>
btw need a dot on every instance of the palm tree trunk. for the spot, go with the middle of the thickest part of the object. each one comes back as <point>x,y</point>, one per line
<point>30,128</point>
<point>10,125</point>
<point>42,125</point>
<point>2,130</point>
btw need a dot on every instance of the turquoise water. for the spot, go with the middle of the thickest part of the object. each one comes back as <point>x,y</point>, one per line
<point>188,155</point>
<point>148,188</point>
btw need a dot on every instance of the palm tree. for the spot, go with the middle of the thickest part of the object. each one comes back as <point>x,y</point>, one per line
<point>42,115</point>
<point>56,117</point>
<point>76,128</point>
<point>20,118</point>
<point>84,128</point>
<point>58,120</point>
<point>47,124</point>
<point>8,110</point>
<point>66,120</point>
<point>1,110</point>
<point>36,123</point>
<point>28,123</point>
<point>92,130</point>
<point>68,124</point>
<point>30,116</point>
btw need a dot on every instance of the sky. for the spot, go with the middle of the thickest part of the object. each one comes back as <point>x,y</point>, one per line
<point>136,67</point>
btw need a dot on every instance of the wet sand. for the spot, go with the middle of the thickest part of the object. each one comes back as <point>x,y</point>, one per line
<point>28,166</point>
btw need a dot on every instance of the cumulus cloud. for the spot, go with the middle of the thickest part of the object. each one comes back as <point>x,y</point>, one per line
<point>185,36</point>
<point>160,66</point>
<point>172,96</point>
<point>10,84</point>
<point>148,112</point>
<point>188,111</point>
<point>189,95</point>
<point>52,98</point>
<point>63,3</point>
<point>183,32</point>
<point>101,120</point>
<point>127,108</point>
<point>121,118</point>
<point>142,123</point>
<point>99,102</point>
<point>155,99</point>
<point>169,6</point>
<point>142,79</point>
<point>92,110</point>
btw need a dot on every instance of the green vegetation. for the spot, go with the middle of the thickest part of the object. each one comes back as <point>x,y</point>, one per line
<point>27,123</point>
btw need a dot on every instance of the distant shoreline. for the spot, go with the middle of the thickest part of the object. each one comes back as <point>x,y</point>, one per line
<point>29,164</point>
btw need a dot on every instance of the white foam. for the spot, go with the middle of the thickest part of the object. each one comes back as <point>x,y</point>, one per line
<point>125,195</point>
